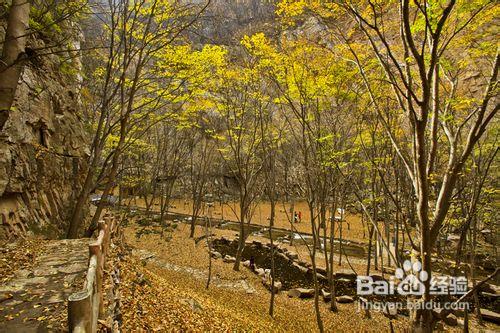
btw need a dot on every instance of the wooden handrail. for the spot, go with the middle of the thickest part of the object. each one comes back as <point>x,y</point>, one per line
<point>86,307</point>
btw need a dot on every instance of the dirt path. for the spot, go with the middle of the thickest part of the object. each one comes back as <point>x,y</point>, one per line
<point>33,297</point>
<point>354,228</point>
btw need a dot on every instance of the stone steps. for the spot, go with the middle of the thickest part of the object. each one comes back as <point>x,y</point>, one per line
<point>35,300</point>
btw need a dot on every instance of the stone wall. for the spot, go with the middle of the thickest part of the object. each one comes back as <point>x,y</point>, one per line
<point>43,145</point>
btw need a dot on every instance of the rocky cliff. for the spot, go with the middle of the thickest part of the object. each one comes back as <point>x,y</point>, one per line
<point>43,144</point>
<point>226,21</point>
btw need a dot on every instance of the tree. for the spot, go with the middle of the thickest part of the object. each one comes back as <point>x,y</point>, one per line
<point>430,36</point>
<point>141,39</point>
<point>201,158</point>
<point>13,55</point>
<point>239,102</point>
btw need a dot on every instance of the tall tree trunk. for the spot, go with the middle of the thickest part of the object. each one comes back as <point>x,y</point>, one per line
<point>369,256</point>
<point>13,55</point>
<point>473,269</point>
<point>241,238</point>
<point>424,321</point>
<point>208,229</point>
<point>105,195</point>
<point>271,225</point>
<point>77,214</point>
<point>331,276</point>
<point>111,178</point>
<point>315,277</point>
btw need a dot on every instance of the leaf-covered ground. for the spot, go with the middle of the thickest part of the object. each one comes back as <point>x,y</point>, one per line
<point>37,276</point>
<point>160,299</point>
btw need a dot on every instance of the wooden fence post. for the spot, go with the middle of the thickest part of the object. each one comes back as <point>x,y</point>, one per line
<point>81,314</point>
<point>95,249</point>
<point>85,307</point>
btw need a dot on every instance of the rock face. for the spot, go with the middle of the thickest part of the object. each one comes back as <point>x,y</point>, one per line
<point>226,22</point>
<point>42,146</point>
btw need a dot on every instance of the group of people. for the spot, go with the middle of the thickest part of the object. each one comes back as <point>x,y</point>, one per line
<point>297,217</point>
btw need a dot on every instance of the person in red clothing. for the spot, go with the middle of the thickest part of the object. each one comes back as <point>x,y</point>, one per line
<point>300,216</point>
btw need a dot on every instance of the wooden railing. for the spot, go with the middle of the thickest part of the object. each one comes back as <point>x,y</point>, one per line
<point>86,306</point>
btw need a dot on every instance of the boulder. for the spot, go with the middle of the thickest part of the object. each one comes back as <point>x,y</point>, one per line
<point>282,255</point>
<point>216,255</point>
<point>277,284</point>
<point>260,271</point>
<point>491,296</point>
<point>344,299</point>
<point>292,255</point>
<point>321,277</point>
<point>301,268</point>
<point>490,316</point>
<point>229,259</point>
<point>321,271</point>
<point>346,275</point>
<point>304,263</point>
<point>246,287</point>
<point>326,295</point>
<point>246,263</point>
<point>301,293</point>
<point>451,320</point>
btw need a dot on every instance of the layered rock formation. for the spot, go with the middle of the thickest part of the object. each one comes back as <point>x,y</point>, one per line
<point>43,144</point>
<point>225,22</point>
